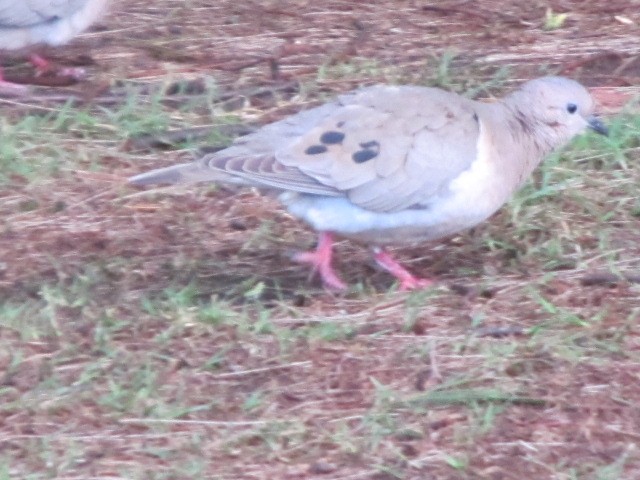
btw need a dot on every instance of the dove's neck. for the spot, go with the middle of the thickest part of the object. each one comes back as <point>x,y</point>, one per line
<point>528,126</point>
<point>512,136</point>
<point>527,130</point>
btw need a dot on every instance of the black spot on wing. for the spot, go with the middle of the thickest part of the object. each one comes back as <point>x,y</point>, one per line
<point>331,137</point>
<point>362,156</point>
<point>315,149</point>
<point>369,151</point>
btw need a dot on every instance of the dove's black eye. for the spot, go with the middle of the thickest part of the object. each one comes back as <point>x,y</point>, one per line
<point>572,107</point>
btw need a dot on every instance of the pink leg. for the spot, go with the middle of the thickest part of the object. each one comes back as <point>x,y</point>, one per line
<point>43,66</point>
<point>406,279</point>
<point>320,261</point>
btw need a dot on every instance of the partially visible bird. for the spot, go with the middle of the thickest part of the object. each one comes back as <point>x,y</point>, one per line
<point>398,165</point>
<point>25,23</point>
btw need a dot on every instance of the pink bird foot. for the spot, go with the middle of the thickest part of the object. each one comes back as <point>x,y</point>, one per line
<point>44,67</point>
<point>406,279</point>
<point>41,64</point>
<point>320,261</point>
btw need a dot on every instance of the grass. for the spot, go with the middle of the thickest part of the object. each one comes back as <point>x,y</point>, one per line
<point>165,334</point>
<point>106,338</point>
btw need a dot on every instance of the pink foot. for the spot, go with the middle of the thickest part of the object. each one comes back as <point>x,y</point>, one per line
<point>43,66</point>
<point>406,279</point>
<point>320,261</point>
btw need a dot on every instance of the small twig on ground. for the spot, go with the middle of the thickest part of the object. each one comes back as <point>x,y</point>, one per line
<point>499,332</point>
<point>608,278</point>
<point>262,370</point>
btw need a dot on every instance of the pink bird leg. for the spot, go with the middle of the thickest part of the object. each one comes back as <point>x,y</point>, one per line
<point>320,261</point>
<point>43,66</point>
<point>406,279</point>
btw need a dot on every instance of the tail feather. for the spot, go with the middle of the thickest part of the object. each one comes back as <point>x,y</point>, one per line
<point>183,173</point>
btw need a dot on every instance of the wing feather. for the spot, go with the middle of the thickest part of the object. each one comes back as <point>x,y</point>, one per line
<point>385,148</point>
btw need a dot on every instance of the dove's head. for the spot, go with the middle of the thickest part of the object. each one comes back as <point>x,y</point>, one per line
<point>557,106</point>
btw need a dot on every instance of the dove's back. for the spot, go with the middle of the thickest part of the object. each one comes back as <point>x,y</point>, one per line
<point>53,22</point>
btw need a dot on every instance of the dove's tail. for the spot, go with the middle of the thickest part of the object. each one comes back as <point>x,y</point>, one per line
<point>183,173</point>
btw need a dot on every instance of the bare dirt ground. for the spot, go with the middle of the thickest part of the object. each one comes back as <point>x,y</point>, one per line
<point>167,335</point>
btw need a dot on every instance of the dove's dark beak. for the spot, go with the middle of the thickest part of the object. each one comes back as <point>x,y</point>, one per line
<point>597,126</point>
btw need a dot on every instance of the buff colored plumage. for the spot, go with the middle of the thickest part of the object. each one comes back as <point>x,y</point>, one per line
<point>398,165</point>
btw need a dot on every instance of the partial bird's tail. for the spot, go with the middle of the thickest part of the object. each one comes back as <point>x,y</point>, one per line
<point>183,173</point>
